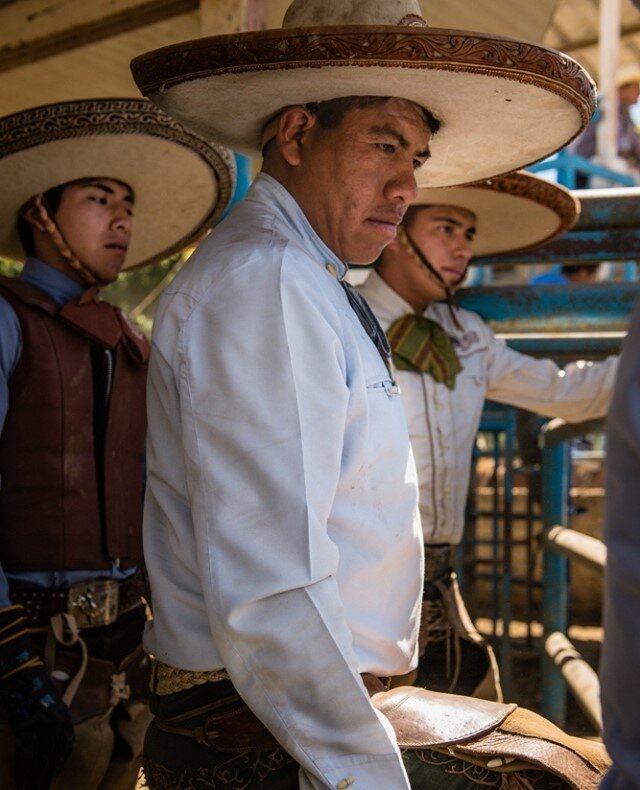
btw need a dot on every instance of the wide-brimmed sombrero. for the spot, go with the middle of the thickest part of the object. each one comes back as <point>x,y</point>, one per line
<point>513,212</point>
<point>181,182</point>
<point>502,103</point>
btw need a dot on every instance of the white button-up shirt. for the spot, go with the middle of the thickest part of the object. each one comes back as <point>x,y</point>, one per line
<point>443,423</point>
<point>281,528</point>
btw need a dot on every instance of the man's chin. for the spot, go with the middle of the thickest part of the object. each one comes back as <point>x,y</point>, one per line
<point>106,274</point>
<point>365,256</point>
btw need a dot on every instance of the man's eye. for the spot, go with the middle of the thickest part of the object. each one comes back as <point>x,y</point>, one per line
<point>418,163</point>
<point>388,148</point>
<point>445,229</point>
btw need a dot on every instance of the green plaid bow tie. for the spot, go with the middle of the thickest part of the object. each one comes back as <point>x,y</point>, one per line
<point>420,344</point>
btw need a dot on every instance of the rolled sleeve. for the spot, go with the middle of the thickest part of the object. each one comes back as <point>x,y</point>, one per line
<point>582,391</point>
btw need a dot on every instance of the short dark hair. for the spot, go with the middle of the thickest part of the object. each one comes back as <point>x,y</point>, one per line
<point>52,199</point>
<point>570,268</point>
<point>330,113</point>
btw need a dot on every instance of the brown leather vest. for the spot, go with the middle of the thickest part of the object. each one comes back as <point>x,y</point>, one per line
<point>51,514</point>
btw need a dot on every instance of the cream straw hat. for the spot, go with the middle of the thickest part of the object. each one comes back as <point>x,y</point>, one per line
<point>181,182</point>
<point>502,103</point>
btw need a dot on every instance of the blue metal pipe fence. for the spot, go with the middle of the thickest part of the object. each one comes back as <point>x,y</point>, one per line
<point>555,582</point>
<point>563,322</point>
<point>557,556</point>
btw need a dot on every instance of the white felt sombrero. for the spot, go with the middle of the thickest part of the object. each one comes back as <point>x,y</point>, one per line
<point>502,103</point>
<point>513,212</point>
<point>181,183</point>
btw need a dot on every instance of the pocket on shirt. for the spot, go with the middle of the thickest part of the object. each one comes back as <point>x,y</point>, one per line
<point>474,365</point>
<point>382,386</point>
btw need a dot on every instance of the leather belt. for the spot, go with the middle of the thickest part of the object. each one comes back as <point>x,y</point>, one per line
<point>92,604</point>
<point>229,726</point>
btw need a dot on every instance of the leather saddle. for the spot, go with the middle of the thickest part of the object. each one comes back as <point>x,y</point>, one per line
<point>480,731</point>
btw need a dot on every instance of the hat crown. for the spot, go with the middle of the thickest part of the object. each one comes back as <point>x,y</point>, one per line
<point>325,13</point>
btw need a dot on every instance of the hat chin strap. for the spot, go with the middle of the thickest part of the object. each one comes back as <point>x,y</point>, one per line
<point>38,203</point>
<point>412,248</point>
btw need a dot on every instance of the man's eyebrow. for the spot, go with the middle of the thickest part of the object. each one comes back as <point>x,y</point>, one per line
<point>386,128</point>
<point>456,222</point>
<point>109,190</point>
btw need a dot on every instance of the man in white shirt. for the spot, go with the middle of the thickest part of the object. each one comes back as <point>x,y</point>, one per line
<point>447,362</point>
<point>281,528</point>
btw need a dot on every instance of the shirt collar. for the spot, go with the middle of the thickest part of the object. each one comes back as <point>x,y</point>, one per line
<point>389,305</point>
<point>377,291</point>
<point>268,190</point>
<point>53,282</point>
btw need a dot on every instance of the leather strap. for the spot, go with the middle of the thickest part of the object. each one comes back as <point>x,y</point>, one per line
<point>230,726</point>
<point>538,753</point>
<point>41,605</point>
<point>64,631</point>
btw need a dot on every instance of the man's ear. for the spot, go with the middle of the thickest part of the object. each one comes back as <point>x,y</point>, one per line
<point>293,126</point>
<point>32,217</point>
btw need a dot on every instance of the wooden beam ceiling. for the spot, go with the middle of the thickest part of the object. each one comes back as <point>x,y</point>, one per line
<point>33,30</point>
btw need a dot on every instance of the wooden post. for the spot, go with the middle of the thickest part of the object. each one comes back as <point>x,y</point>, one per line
<point>607,131</point>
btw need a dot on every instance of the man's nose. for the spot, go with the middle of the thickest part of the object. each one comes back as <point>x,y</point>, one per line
<point>403,185</point>
<point>122,219</point>
<point>463,248</point>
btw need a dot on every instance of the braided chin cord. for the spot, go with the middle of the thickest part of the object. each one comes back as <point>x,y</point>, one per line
<point>38,204</point>
<point>415,252</point>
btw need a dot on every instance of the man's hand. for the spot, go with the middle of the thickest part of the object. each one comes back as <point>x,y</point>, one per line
<point>41,723</point>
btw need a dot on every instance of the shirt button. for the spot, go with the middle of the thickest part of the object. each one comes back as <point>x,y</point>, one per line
<point>334,273</point>
<point>344,783</point>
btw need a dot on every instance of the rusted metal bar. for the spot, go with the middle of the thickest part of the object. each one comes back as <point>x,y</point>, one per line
<point>606,230</point>
<point>557,431</point>
<point>555,574</point>
<point>602,307</point>
<point>577,546</point>
<point>580,677</point>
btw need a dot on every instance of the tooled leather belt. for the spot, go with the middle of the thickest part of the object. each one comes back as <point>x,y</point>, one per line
<point>93,604</point>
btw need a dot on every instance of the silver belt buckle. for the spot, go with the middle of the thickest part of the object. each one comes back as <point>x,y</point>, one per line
<point>94,603</point>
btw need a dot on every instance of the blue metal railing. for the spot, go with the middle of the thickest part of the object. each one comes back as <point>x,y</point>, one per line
<point>569,166</point>
<point>577,322</point>
<point>498,423</point>
<point>561,662</point>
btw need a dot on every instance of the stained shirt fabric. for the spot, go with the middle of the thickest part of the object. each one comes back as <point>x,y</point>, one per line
<point>443,423</point>
<point>61,289</point>
<point>620,691</point>
<point>281,529</point>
